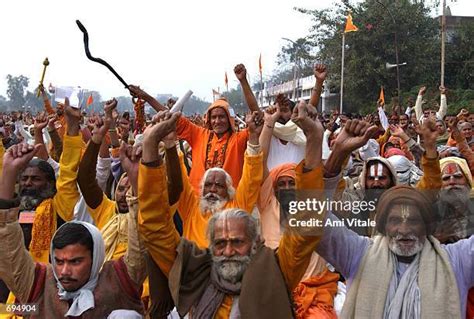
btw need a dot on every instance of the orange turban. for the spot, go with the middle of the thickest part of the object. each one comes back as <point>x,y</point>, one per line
<point>223,104</point>
<point>283,170</point>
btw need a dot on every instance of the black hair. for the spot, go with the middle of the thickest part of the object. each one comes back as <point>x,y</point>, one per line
<point>44,167</point>
<point>73,233</point>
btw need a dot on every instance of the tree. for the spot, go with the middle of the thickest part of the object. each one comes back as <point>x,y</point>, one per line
<point>459,58</point>
<point>16,90</point>
<point>372,46</point>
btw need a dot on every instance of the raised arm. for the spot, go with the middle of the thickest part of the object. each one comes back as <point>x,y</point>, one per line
<point>173,169</point>
<point>67,193</point>
<point>271,116</point>
<point>41,121</point>
<point>431,179</point>
<point>248,188</point>
<point>87,181</point>
<point>340,246</point>
<point>443,103</point>
<point>419,102</point>
<point>17,268</point>
<point>155,221</point>
<point>47,104</point>
<point>135,255</point>
<point>137,92</point>
<point>297,245</point>
<point>55,138</point>
<point>241,74</point>
<point>320,73</point>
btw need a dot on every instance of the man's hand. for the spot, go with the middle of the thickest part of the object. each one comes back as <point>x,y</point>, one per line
<point>306,117</point>
<point>355,134</point>
<point>137,92</point>
<point>17,157</point>
<point>453,125</point>
<point>162,124</point>
<point>255,125</point>
<point>52,119</point>
<point>422,90</point>
<point>240,72</point>
<point>429,133</point>
<point>463,115</point>
<point>100,130</point>
<point>73,117</point>
<point>41,121</point>
<point>129,159</point>
<point>109,106</point>
<point>271,115</point>
<point>396,130</point>
<point>320,72</point>
<point>442,90</point>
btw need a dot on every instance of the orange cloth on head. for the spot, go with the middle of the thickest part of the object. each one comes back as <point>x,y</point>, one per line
<point>314,297</point>
<point>283,170</point>
<point>223,104</point>
<point>198,138</point>
<point>394,151</point>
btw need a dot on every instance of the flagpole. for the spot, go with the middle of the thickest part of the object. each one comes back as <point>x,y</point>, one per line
<point>261,90</point>
<point>342,71</point>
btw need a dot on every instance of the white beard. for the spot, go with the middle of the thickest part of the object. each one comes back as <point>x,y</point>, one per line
<point>211,206</point>
<point>402,251</point>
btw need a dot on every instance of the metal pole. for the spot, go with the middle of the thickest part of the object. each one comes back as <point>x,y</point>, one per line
<point>443,41</point>
<point>342,71</point>
<point>396,48</point>
<point>398,66</point>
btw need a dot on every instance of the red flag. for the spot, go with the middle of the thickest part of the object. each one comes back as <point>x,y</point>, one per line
<point>90,100</point>
<point>260,64</point>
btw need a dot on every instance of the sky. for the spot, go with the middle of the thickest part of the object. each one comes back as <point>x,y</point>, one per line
<point>166,47</point>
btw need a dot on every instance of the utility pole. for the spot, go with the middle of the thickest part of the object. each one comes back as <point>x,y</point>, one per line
<point>443,41</point>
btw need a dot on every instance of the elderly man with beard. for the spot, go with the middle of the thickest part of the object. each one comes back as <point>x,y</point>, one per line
<point>237,277</point>
<point>217,191</point>
<point>403,272</point>
<point>378,175</point>
<point>45,203</point>
<point>454,203</point>
<point>77,283</point>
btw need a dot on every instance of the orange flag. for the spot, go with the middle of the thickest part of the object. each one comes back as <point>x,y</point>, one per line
<point>90,100</point>
<point>350,27</point>
<point>260,64</point>
<point>381,99</point>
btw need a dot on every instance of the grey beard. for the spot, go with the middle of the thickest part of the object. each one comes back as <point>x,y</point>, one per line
<point>29,200</point>
<point>232,269</point>
<point>456,197</point>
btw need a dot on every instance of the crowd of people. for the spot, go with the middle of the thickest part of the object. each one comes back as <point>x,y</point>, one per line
<point>130,215</point>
